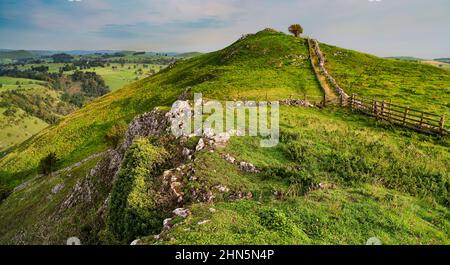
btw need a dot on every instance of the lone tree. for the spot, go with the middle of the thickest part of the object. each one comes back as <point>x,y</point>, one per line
<point>48,164</point>
<point>296,29</point>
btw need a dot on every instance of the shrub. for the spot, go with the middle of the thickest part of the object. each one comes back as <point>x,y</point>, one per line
<point>5,191</point>
<point>116,133</point>
<point>299,178</point>
<point>274,219</point>
<point>10,112</point>
<point>134,209</point>
<point>48,164</point>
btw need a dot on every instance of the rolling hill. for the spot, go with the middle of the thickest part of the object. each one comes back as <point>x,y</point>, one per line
<point>337,177</point>
<point>412,84</point>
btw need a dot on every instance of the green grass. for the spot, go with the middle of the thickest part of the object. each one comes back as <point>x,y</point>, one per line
<point>10,83</point>
<point>34,211</point>
<point>267,62</point>
<point>340,216</point>
<point>33,97</point>
<point>14,130</point>
<point>117,78</point>
<point>379,180</point>
<point>394,185</point>
<point>114,78</point>
<point>412,84</point>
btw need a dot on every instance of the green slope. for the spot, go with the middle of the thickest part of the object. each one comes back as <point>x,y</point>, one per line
<point>412,84</point>
<point>268,64</point>
<point>19,54</point>
<point>375,179</point>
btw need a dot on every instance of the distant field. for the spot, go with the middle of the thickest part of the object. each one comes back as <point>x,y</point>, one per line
<point>10,83</point>
<point>115,77</point>
<point>119,76</point>
<point>437,64</point>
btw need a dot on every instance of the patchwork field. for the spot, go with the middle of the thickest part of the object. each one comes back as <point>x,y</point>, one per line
<point>116,75</point>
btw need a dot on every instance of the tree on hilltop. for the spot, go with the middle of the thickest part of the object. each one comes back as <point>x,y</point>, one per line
<point>296,29</point>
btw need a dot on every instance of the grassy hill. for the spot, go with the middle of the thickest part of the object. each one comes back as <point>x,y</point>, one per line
<point>336,177</point>
<point>26,107</point>
<point>269,61</point>
<point>412,84</point>
<point>19,54</point>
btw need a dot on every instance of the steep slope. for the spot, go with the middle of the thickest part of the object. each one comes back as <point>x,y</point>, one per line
<point>410,84</point>
<point>267,63</point>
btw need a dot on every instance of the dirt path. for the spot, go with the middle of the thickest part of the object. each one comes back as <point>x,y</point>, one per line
<point>327,89</point>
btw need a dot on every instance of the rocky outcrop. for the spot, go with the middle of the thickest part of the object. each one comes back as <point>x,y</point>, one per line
<point>154,123</point>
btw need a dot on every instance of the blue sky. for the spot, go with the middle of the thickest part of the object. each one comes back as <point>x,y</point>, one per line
<point>382,27</point>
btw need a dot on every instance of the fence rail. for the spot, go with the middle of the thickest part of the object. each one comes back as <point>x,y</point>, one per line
<point>404,116</point>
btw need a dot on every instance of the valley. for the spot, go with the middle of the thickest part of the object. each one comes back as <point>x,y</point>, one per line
<point>52,91</point>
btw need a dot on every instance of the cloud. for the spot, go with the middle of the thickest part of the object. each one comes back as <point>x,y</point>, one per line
<point>380,27</point>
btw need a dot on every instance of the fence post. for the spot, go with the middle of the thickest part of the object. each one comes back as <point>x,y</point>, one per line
<point>374,108</point>
<point>421,120</point>
<point>405,114</point>
<point>382,109</point>
<point>390,107</point>
<point>341,100</point>
<point>351,101</point>
<point>441,124</point>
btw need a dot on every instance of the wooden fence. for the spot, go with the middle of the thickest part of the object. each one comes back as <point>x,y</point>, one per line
<point>404,116</point>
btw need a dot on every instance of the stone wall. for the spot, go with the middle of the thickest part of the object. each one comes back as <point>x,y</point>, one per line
<point>324,71</point>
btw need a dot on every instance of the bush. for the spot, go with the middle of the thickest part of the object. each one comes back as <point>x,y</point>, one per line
<point>273,219</point>
<point>5,191</point>
<point>48,164</point>
<point>297,177</point>
<point>134,210</point>
<point>116,133</point>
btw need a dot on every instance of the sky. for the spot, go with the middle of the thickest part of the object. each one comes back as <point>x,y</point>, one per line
<point>419,28</point>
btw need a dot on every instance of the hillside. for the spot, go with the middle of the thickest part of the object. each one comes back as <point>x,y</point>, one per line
<point>272,63</point>
<point>407,83</point>
<point>337,177</point>
<point>20,54</point>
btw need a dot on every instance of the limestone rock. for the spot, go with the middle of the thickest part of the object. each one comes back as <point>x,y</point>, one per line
<point>181,212</point>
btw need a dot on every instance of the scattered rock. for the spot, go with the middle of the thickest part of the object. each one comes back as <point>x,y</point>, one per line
<point>57,188</point>
<point>200,145</point>
<point>135,242</point>
<point>187,153</point>
<point>248,167</point>
<point>167,223</point>
<point>212,210</point>
<point>229,158</point>
<point>204,222</point>
<point>222,188</point>
<point>296,102</point>
<point>222,139</point>
<point>182,212</point>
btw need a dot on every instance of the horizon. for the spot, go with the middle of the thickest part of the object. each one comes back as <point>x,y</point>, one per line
<point>384,28</point>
